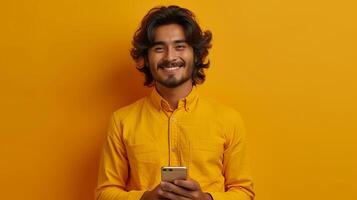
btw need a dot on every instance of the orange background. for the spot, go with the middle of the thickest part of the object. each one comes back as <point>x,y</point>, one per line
<point>288,66</point>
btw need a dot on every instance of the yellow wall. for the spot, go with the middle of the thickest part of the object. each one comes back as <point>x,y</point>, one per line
<point>288,66</point>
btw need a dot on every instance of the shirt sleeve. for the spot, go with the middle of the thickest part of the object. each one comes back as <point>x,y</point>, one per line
<point>238,182</point>
<point>113,168</point>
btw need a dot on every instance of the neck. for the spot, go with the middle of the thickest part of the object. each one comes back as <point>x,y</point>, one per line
<point>173,95</point>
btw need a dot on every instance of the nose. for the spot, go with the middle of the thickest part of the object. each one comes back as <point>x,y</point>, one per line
<point>170,54</point>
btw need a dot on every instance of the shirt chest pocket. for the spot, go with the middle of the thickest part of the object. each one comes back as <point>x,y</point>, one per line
<point>143,154</point>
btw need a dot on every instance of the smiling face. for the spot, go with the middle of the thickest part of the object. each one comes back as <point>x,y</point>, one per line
<point>171,58</point>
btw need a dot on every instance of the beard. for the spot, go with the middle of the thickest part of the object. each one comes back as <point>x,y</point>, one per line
<point>172,81</point>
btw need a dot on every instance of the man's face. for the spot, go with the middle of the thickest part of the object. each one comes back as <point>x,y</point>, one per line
<point>170,58</point>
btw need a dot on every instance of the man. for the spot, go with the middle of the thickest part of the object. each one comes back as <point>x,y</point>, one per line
<point>174,126</point>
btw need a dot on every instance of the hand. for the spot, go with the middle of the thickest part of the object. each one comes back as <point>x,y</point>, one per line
<point>183,190</point>
<point>153,194</point>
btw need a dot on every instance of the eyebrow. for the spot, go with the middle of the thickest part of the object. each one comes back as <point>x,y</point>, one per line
<point>163,43</point>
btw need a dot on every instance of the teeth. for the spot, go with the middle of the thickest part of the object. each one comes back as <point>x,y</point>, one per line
<point>171,68</point>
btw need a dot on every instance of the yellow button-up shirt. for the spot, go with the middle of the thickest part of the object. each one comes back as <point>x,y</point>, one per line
<point>206,137</point>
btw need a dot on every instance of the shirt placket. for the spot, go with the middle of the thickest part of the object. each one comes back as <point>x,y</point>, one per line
<point>173,140</point>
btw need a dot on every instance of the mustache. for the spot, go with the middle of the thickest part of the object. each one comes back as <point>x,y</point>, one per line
<point>174,63</point>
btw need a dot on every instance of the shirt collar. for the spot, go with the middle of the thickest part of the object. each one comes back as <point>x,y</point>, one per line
<point>186,102</point>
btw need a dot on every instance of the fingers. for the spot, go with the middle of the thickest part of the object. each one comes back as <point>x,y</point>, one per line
<point>171,195</point>
<point>172,188</point>
<point>188,184</point>
<point>181,190</point>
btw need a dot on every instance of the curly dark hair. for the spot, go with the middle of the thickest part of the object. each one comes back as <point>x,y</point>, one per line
<point>144,37</point>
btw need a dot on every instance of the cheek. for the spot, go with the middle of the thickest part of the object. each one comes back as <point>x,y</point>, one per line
<point>151,63</point>
<point>153,60</point>
<point>188,56</point>
<point>152,68</point>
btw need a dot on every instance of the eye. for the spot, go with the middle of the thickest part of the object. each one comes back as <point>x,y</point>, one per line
<point>180,47</point>
<point>158,49</point>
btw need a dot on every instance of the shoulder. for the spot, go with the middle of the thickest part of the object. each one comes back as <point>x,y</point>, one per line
<point>131,110</point>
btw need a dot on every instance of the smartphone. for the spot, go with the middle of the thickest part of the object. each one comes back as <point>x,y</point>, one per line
<point>170,174</point>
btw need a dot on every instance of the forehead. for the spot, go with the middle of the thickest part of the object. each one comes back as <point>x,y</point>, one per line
<point>169,33</point>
